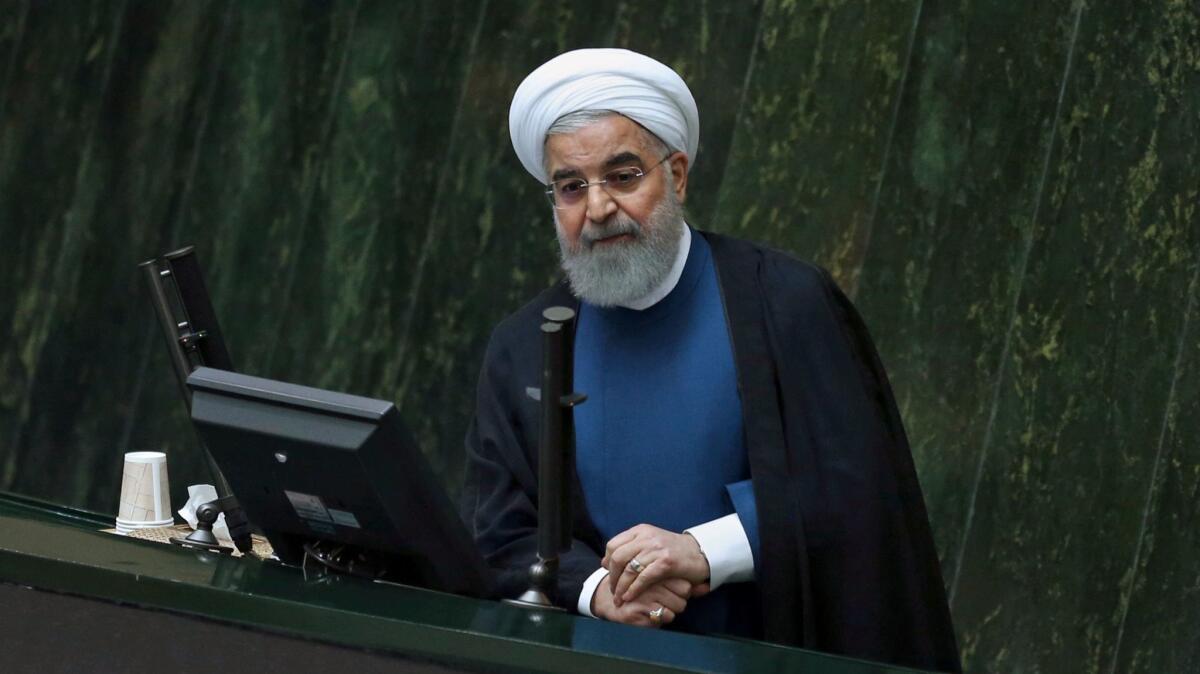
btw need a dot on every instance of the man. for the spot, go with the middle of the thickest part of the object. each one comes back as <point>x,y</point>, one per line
<point>741,466</point>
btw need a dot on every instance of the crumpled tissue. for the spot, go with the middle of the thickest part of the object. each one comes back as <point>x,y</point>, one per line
<point>198,495</point>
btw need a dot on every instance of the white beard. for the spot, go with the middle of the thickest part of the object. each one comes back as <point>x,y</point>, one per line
<point>622,272</point>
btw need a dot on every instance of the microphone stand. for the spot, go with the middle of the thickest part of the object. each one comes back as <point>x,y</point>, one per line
<point>555,449</point>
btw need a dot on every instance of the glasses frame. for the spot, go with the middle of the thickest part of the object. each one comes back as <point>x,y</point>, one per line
<point>549,191</point>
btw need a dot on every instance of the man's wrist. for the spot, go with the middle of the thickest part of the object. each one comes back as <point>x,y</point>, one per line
<point>587,595</point>
<point>704,557</point>
<point>726,548</point>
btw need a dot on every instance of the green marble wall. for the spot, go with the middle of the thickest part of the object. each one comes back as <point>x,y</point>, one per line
<point>1009,191</point>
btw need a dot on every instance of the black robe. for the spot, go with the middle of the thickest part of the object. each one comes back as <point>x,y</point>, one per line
<point>847,563</point>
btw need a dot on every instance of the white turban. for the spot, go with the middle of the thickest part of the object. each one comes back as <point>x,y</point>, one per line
<point>626,82</point>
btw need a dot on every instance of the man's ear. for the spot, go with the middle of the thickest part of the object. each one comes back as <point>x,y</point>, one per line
<point>679,174</point>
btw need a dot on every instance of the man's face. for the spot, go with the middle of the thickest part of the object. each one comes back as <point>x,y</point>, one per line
<point>611,142</point>
<point>616,249</point>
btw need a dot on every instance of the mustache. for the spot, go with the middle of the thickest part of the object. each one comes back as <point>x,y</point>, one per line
<point>592,232</point>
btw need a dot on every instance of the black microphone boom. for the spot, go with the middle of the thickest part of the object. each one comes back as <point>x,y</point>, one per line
<point>555,454</point>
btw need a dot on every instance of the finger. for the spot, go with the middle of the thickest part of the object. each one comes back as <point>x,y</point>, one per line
<point>667,617</point>
<point>626,579</point>
<point>619,540</point>
<point>701,590</point>
<point>615,571</point>
<point>681,587</point>
<point>634,613</point>
<point>621,556</point>
<point>639,614</point>
<point>619,562</point>
<point>650,576</point>
<point>660,596</point>
<point>646,557</point>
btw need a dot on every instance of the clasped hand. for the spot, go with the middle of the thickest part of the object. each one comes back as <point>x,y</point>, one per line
<point>673,570</point>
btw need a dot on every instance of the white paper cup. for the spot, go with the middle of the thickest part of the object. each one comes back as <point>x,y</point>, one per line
<point>145,494</point>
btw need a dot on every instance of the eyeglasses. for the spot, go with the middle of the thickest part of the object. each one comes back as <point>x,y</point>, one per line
<point>571,192</point>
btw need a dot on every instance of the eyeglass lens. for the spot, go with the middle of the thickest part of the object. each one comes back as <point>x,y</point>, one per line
<point>571,191</point>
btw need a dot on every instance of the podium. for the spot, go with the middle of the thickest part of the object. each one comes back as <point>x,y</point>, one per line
<point>73,597</point>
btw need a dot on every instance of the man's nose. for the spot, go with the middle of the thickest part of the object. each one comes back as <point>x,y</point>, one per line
<point>600,204</point>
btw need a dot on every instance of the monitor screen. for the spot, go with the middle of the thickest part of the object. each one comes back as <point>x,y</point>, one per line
<point>312,465</point>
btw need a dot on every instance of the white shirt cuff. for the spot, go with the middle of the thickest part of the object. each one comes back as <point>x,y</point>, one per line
<point>723,541</point>
<point>589,588</point>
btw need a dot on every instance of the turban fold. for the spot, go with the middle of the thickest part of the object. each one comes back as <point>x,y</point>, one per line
<point>626,82</point>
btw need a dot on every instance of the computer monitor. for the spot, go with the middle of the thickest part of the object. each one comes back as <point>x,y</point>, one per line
<point>310,465</point>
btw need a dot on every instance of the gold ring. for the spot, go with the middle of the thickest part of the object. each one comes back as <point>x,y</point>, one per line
<point>656,615</point>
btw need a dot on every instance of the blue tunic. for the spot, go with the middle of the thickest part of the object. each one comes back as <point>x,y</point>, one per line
<point>660,439</point>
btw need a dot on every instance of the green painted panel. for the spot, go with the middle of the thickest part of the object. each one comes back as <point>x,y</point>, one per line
<point>386,155</point>
<point>961,187</point>
<point>242,186</point>
<point>1092,357</point>
<point>964,177</point>
<point>13,21</point>
<point>714,60</point>
<point>56,185</point>
<point>1156,631</point>
<point>813,128</point>
<point>489,246</point>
